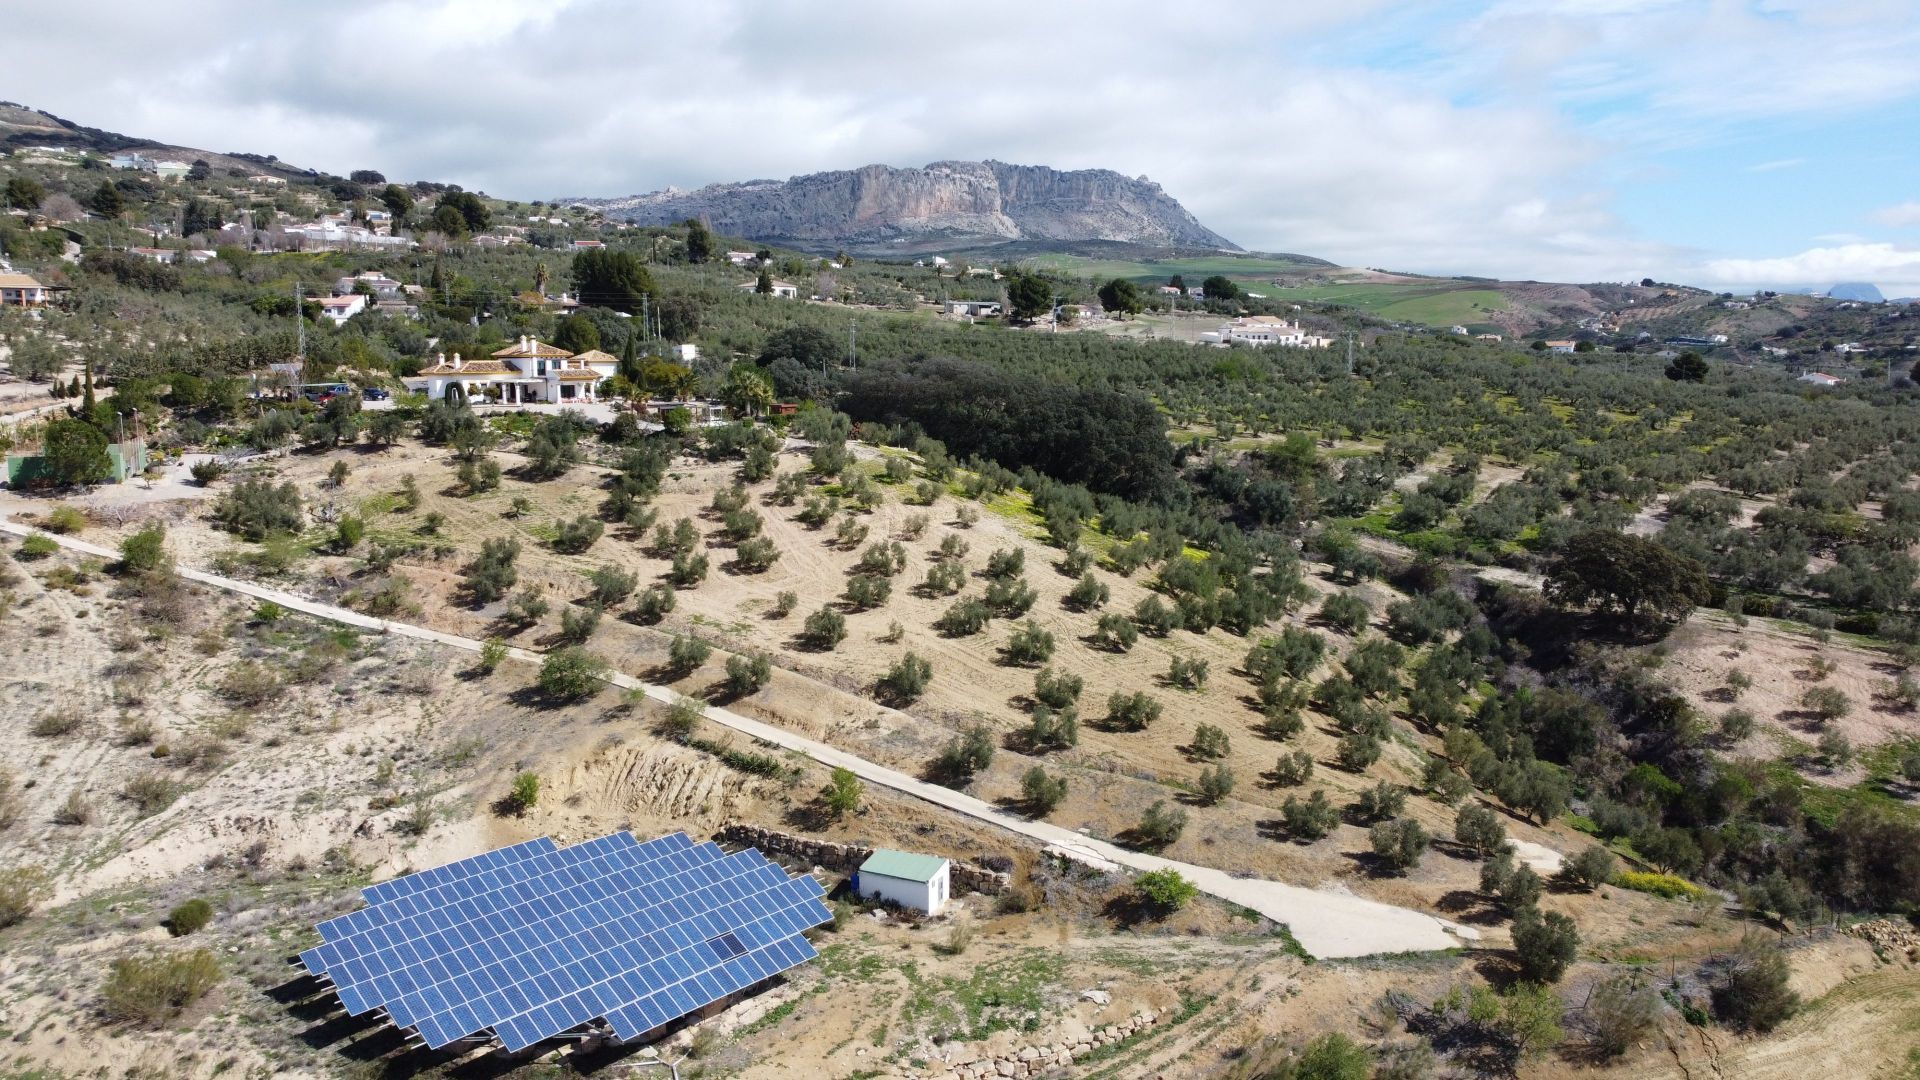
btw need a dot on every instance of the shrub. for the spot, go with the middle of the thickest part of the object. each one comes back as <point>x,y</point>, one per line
<point>1161,825</point>
<point>1057,690</point>
<point>1544,944</point>
<point>1154,617</point>
<point>1736,724</point>
<point>1053,729</point>
<point>1345,612</point>
<point>1115,633</point>
<point>254,509</point>
<point>1216,783</point>
<point>843,792</point>
<point>21,889</point>
<point>747,673</point>
<point>1029,645</point>
<point>1590,869</point>
<point>250,683</point>
<point>1041,792</point>
<point>1510,883</point>
<point>783,604</point>
<point>1662,885</point>
<point>611,585</point>
<point>1479,829</point>
<point>1752,993</point>
<point>1332,1056</point>
<point>55,723</point>
<point>492,652</point>
<point>206,471</point>
<point>1620,1012</point>
<point>577,624</point>
<point>1357,751</point>
<point>685,654</point>
<point>1294,769</point>
<point>963,619</point>
<point>525,793</point>
<point>1006,563</point>
<point>492,573</point>
<point>145,551</point>
<point>756,555</point>
<point>1088,594</point>
<point>907,679</point>
<point>1010,599</point>
<point>681,719</point>
<point>1826,703</point>
<point>868,591</point>
<point>944,579</point>
<point>1310,818</point>
<point>189,918</point>
<point>1381,801</point>
<point>1282,724</point>
<point>571,673</point>
<point>576,536</point>
<point>654,604</point>
<point>823,630</point>
<point>1164,891</point>
<point>1131,712</point>
<point>1187,674</point>
<point>151,990</point>
<point>37,546</point>
<point>966,754</point>
<point>66,520</point>
<point>1399,843</point>
<point>1210,742</point>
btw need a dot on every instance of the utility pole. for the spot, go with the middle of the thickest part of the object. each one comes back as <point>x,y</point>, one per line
<point>300,322</point>
<point>853,352</point>
<point>1350,337</point>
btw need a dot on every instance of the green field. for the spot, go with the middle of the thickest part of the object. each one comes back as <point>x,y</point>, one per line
<point>1157,271</point>
<point>1433,304</point>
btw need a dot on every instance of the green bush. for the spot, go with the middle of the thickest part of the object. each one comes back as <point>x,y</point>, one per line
<point>1042,792</point>
<point>145,551</point>
<point>1165,891</point>
<point>1662,885</point>
<point>685,655</point>
<point>1311,818</point>
<point>1029,645</point>
<point>189,918</point>
<point>823,630</point>
<point>1545,944</point>
<point>1131,712</point>
<point>525,793</point>
<point>1399,843</point>
<point>572,673</point>
<point>151,990</point>
<point>255,508</point>
<point>963,619</point>
<point>747,673</point>
<point>1751,994</point>
<point>1161,825</point>
<point>37,546</point>
<point>576,536</point>
<point>907,679</point>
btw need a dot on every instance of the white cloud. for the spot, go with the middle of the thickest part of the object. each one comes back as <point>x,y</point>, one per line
<point>1904,216</point>
<point>1896,270</point>
<point>1776,166</point>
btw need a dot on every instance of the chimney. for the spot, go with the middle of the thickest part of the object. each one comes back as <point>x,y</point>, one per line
<point>440,359</point>
<point>526,343</point>
<point>458,363</point>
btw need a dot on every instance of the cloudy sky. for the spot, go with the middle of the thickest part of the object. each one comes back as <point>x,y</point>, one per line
<point>1722,142</point>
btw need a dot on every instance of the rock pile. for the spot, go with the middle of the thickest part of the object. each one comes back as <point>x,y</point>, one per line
<point>1888,936</point>
<point>1040,1060</point>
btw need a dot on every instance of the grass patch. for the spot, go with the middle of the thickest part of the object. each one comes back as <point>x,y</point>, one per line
<point>997,996</point>
<point>1662,885</point>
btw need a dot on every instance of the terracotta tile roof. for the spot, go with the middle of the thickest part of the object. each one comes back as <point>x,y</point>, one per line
<point>19,281</point>
<point>579,376</point>
<point>532,349</point>
<point>595,356</point>
<point>472,367</point>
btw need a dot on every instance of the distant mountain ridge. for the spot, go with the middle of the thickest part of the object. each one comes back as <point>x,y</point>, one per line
<point>947,204</point>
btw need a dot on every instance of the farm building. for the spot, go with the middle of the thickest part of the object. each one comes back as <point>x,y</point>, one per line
<point>913,881</point>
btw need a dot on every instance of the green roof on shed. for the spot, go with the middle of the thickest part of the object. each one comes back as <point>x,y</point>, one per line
<point>906,866</point>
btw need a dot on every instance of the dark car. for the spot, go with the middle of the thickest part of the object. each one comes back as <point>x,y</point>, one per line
<point>375,393</point>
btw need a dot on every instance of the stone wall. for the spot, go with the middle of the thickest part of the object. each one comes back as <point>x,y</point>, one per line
<point>1042,1060</point>
<point>846,858</point>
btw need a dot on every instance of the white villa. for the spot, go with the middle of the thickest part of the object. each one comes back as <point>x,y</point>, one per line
<point>1263,330</point>
<point>785,289</point>
<point>526,371</point>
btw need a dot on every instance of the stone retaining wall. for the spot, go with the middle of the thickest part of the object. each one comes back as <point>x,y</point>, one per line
<point>846,858</point>
<point>1041,1060</point>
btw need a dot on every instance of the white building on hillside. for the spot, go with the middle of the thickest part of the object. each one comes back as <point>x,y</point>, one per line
<point>1263,330</point>
<point>920,882</point>
<point>525,372</point>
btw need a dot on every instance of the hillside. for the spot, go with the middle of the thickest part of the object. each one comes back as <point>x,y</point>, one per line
<point>21,127</point>
<point>947,204</point>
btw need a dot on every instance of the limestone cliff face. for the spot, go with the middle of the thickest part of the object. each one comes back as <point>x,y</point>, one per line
<point>945,203</point>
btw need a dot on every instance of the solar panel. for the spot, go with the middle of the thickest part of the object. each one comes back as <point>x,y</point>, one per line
<point>535,940</point>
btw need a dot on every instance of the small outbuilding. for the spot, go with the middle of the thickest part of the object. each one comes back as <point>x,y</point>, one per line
<point>920,882</point>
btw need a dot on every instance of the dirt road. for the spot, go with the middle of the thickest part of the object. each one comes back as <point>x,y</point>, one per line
<point>1328,924</point>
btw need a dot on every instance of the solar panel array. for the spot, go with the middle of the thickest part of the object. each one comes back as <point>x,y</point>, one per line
<point>534,940</point>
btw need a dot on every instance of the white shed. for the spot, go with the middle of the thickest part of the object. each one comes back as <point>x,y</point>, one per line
<point>912,881</point>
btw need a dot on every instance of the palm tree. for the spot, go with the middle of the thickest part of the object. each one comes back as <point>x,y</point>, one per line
<point>747,391</point>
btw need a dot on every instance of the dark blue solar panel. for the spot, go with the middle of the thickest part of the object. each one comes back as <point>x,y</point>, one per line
<point>534,940</point>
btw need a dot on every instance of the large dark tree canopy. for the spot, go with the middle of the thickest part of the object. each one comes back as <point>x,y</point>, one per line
<point>1108,441</point>
<point>611,279</point>
<point>1626,574</point>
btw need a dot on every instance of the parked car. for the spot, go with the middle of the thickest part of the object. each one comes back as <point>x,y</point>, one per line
<point>375,393</point>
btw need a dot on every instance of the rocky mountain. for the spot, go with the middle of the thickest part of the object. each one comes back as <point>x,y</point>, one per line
<point>948,204</point>
<point>1856,290</point>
